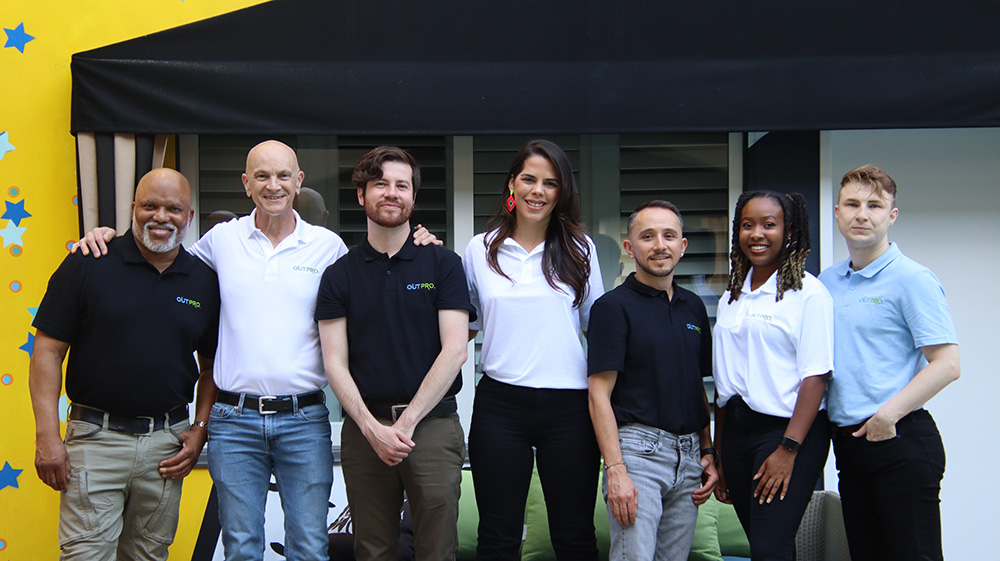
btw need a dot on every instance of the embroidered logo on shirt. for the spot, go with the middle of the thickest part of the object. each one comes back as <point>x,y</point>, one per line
<point>761,317</point>
<point>189,302</point>
<point>306,269</point>
<point>693,327</point>
<point>872,300</point>
<point>421,286</point>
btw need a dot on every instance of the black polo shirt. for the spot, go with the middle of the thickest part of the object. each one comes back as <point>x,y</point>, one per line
<point>661,349</point>
<point>391,306</point>
<point>132,330</point>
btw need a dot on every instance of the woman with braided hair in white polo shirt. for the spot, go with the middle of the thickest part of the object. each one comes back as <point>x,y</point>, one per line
<point>773,354</point>
<point>532,279</point>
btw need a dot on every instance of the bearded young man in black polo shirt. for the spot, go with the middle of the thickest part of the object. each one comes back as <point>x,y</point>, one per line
<point>393,324</point>
<point>131,323</point>
<point>650,346</point>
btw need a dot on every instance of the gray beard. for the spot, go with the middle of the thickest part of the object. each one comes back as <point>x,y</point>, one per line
<point>160,247</point>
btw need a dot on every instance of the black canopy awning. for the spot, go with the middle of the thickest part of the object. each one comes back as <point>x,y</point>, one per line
<point>566,66</point>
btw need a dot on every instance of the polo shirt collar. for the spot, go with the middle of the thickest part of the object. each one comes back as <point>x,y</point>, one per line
<point>646,290</point>
<point>407,252</point>
<point>844,267</point>
<point>131,254</point>
<point>302,233</point>
<point>514,246</point>
<point>770,286</point>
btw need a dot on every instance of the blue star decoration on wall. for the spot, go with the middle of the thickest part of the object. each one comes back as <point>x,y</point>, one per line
<point>29,346</point>
<point>5,145</point>
<point>8,476</point>
<point>17,38</point>
<point>15,212</point>
<point>11,234</point>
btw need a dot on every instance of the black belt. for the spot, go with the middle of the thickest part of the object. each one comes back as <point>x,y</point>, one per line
<point>266,404</point>
<point>446,406</point>
<point>128,425</point>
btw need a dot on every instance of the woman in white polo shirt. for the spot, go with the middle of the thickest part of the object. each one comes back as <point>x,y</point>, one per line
<point>533,277</point>
<point>773,354</point>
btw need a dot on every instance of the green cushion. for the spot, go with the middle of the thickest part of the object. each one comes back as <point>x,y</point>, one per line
<point>732,539</point>
<point>537,545</point>
<point>468,519</point>
<point>705,546</point>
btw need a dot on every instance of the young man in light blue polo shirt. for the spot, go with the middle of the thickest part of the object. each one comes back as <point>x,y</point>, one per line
<point>894,349</point>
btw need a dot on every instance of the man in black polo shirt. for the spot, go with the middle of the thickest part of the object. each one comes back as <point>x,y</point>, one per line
<point>393,323</point>
<point>131,324</point>
<point>649,348</point>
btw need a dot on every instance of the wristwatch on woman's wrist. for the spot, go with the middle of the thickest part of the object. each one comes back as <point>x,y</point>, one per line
<point>790,444</point>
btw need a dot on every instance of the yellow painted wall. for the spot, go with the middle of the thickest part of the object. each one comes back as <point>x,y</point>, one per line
<point>39,174</point>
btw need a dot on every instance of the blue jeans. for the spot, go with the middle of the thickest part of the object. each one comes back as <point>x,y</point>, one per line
<point>665,469</point>
<point>245,448</point>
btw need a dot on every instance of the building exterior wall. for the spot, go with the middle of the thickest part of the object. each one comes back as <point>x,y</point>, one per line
<point>949,200</point>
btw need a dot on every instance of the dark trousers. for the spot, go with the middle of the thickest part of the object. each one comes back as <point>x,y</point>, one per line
<point>748,438</point>
<point>890,491</point>
<point>507,421</point>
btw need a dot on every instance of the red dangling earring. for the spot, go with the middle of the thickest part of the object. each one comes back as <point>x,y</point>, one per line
<point>510,201</point>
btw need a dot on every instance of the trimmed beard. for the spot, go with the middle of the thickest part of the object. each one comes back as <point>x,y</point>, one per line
<point>160,247</point>
<point>658,274</point>
<point>374,215</point>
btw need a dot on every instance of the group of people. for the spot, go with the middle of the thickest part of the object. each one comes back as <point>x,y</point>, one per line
<point>283,308</point>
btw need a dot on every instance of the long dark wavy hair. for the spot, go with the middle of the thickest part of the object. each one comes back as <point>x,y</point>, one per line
<point>566,257</point>
<point>791,260</point>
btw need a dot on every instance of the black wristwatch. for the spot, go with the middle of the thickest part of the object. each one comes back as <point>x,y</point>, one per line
<point>709,450</point>
<point>790,444</point>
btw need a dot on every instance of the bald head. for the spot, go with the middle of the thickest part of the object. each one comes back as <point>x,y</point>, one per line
<point>271,150</point>
<point>162,210</point>
<point>165,178</point>
<point>273,179</point>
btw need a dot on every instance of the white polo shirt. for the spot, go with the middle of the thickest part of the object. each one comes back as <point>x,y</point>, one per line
<point>763,349</point>
<point>268,339</point>
<point>531,332</point>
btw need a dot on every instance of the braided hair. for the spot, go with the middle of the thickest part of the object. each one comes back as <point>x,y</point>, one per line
<point>792,259</point>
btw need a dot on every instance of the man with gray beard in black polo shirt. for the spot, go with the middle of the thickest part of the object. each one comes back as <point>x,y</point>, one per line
<point>393,324</point>
<point>650,346</point>
<point>131,323</point>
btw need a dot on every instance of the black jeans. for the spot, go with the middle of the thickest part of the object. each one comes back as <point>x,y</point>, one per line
<point>507,421</point>
<point>890,491</point>
<point>748,438</point>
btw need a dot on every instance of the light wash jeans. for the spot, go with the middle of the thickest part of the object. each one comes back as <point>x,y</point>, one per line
<point>244,449</point>
<point>665,469</point>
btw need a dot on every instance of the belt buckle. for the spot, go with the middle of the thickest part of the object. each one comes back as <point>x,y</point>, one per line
<point>260,404</point>
<point>397,410</point>
<point>152,424</point>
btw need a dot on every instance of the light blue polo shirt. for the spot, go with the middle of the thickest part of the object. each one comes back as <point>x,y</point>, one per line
<point>882,316</point>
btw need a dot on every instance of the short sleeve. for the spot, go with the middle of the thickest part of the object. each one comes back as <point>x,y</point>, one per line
<point>209,340</point>
<point>203,248</point>
<point>59,312</point>
<point>814,341</point>
<point>595,288</point>
<point>469,265</point>
<point>608,337</point>
<point>453,292</point>
<point>926,311</point>
<point>334,291</point>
